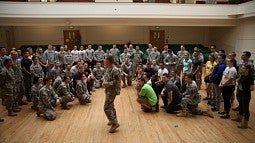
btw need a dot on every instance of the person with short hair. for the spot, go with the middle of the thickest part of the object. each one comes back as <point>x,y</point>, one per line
<point>98,73</point>
<point>82,91</point>
<point>48,99</point>
<point>171,95</point>
<point>112,84</point>
<point>146,97</point>
<point>126,73</point>
<point>37,85</point>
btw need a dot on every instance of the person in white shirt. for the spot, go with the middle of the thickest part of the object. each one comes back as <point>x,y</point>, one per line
<point>162,70</point>
<point>227,86</point>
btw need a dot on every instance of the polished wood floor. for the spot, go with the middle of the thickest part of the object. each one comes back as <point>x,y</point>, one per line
<point>87,124</point>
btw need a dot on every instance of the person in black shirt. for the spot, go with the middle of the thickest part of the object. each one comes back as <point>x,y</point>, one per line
<point>90,78</point>
<point>171,95</point>
<point>25,65</point>
<point>149,70</point>
<point>245,86</point>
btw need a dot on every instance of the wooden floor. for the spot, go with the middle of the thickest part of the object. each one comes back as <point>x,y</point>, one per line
<point>87,124</point>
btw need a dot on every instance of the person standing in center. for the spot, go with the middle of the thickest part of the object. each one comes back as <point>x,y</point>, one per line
<point>112,83</point>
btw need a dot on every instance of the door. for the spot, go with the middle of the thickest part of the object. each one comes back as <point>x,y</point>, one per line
<point>72,38</point>
<point>157,38</point>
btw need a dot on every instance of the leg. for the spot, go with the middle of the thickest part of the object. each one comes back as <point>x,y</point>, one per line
<point>144,102</point>
<point>109,109</point>
<point>123,78</point>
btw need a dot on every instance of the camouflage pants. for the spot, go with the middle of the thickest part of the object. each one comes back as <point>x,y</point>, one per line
<point>109,109</point>
<point>129,80</point>
<point>35,101</point>
<point>198,79</point>
<point>191,103</point>
<point>84,99</point>
<point>7,95</point>
<point>19,91</point>
<point>65,99</point>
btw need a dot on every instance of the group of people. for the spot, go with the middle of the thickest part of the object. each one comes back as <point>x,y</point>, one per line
<point>49,78</point>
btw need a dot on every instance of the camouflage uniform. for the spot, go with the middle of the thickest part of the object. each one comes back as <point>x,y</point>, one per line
<point>82,55</point>
<point>131,51</point>
<point>123,56</point>
<point>56,83</point>
<point>126,69</point>
<point>75,54</point>
<point>64,92</point>
<point>137,58</point>
<point>154,55</point>
<point>112,82</point>
<point>99,56</point>
<point>115,53</point>
<point>191,98</point>
<point>98,74</point>
<point>171,61</point>
<point>47,102</point>
<point>2,58</point>
<point>7,77</point>
<point>148,51</point>
<point>54,72</point>
<point>36,71</point>
<point>164,54</point>
<point>82,92</point>
<point>19,85</point>
<point>69,59</point>
<point>61,57</point>
<point>51,57</point>
<point>35,95</point>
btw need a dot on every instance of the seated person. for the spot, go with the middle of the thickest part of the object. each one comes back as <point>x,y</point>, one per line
<point>98,73</point>
<point>191,98</point>
<point>47,101</point>
<point>146,97</point>
<point>171,95</point>
<point>64,92</point>
<point>82,91</point>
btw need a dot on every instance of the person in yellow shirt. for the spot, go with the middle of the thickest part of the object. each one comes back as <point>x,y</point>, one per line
<point>209,66</point>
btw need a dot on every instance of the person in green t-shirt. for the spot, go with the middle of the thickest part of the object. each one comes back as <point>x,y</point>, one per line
<point>147,97</point>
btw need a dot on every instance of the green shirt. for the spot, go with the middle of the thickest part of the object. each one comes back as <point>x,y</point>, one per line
<point>149,93</point>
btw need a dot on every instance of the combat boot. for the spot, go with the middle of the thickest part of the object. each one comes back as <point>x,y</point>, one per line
<point>11,113</point>
<point>1,120</point>
<point>16,110</point>
<point>183,113</point>
<point>114,127</point>
<point>238,118</point>
<point>109,123</point>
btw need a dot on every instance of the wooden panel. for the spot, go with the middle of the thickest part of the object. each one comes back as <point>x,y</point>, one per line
<point>72,38</point>
<point>162,1</point>
<point>75,0</point>
<point>157,38</point>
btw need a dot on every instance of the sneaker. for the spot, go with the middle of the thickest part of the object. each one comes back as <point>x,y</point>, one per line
<point>225,116</point>
<point>147,110</point>
<point>114,127</point>
<point>16,110</point>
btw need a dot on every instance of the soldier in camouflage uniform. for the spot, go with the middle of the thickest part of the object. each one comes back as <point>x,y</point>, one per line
<point>3,56</point>
<point>55,71</point>
<point>164,53</point>
<point>154,55</point>
<point>137,58</point>
<point>124,55</point>
<point>112,83</point>
<point>65,93</point>
<point>126,72</point>
<point>98,73</point>
<point>19,88</point>
<point>82,91</point>
<point>99,55</point>
<point>50,56</point>
<point>48,99</point>
<point>130,49</point>
<point>171,61</point>
<point>68,59</point>
<point>58,80</point>
<point>37,85</point>
<point>8,86</point>
<point>75,54</point>
<point>82,53</point>
<point>149,50</point>
<point>61,56</point>
<point>36,69</point>
<point>191,99</point>
<point>115,53</point>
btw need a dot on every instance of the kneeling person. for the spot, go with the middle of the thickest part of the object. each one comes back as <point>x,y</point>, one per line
<point>64,92</point>
<point>82,91</point>
<point>46,106</point>
<point>147,97</point>
<point>172,95</point>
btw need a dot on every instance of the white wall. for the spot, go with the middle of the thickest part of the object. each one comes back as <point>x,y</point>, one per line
<point>110,34</point>
<point>238,39</point>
